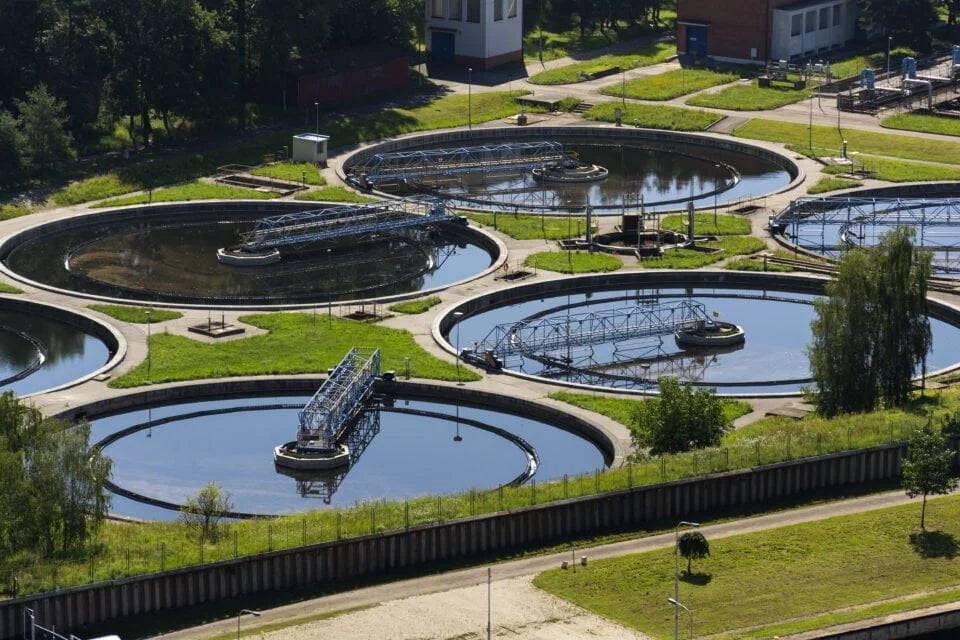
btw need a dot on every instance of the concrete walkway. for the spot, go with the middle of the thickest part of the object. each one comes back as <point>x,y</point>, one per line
<point>434,584</point>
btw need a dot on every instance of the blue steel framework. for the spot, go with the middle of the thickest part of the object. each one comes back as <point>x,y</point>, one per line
<point>319,485</point>
<point>339,222</point>
<point>563,333</point>
<point>832,224</point>
<point>332,409</point>
<point>401,166</point>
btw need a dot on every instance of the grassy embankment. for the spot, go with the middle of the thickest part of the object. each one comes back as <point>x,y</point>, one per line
<point>690,259</point>
<point>825,185</point>
<point>573,261</point>
<point>654,116</point>
<point>296,343</point>
<point>136,315</point>
<point>415,306</point>
<point>670,84</point>
<point>836,570</point>
<point>645,55</point>
<point>532,227</point>
<point>133,549</point>
<point>886,169</point>
<point>750,97</point>
<point>725,225</point>
<point>438,113</point>
<point>190,191</point>
<point>292,172</point>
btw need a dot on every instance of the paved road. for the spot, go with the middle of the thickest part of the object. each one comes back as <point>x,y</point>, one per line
<point>532,566</point>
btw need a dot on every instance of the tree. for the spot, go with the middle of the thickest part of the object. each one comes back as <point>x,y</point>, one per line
<point>204,511</point>
<point>928,469</point>
<point>43,123</point>
<point>11,145</point>
<point>54,485</point>
<point>679,420</point>
<point>908,21</point>
<point>872,333</point>
<point>693,546</point>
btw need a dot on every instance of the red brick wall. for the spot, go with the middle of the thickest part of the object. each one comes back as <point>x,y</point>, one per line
<point>736,26</point>
<point>351,84</point>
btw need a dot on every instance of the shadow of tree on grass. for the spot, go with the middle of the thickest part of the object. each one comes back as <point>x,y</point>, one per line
<point>698,579</point>
<point>934,544</point>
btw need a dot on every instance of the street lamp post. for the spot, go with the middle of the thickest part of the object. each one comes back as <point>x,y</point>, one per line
<point>889,40</point>
<point>489,578</point>
<point>329,300</point>
<point>317,106</point>
<point>245,612</point>
<point>623,87</point>
<point>676,603</point>
<point>715,194</point>
<point>458,315</point>
<point>676,573</point>
<point>148,344</point>
<point>470,97</point>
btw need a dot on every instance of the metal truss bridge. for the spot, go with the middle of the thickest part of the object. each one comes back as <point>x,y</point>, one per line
<point>830,225</point>
<point>418,165</point>
<point>323,485</point>
<point>339,222</point>
<point>558,333</point>
<point>332,409</point>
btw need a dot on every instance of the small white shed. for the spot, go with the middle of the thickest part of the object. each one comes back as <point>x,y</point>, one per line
<point>310,147</point>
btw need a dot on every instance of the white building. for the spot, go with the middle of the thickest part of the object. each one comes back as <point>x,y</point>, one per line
<point>478,33</point>
<point>812,27</point>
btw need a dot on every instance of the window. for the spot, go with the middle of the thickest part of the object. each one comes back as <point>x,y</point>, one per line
<point>456,9</point>
<point>498,9</point>
<point>825,18</point>
<point>796,24</point>
<point>511,8</point>
<point>837,10</point>
<point>473,10</point>
<point>437,9</point>
<point>811,21</point>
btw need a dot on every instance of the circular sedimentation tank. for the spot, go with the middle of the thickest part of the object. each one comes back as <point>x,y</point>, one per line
<point>418,446</point>
<point>43,347</point>
<point>761,322</point>
<point>663,169</point>
<point>167,254</point>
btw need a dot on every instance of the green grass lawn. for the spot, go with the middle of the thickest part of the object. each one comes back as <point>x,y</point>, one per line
<point>726,225</point>
<point>652,116</point>
<point>434,113</point>
<point>690,259</point>
<point>750,97</point>
<point>886,169</point>
<point>296,343</point>
<point>832,184</point>
<point>190,191</point>
<point>746,264</point>
<point>415,306</point>
<point>925,123</point>
<point>561,42</point>
<point>645,55</point>
<point>621,409</point>
<point>9,288</point>
<point>136,314</point>
<point>573,261</point>
<point>875,59</point>
<point>532,227</point>
<point>10,211</point>
<point>882,144</point>
<point>848,561</point>
<point>292,171</point>
<point>334,194</point>
<point>671,84</point>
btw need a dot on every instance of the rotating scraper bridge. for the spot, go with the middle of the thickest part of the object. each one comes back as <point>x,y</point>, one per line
<point>550,339</point>
<point>831,225</point>
<point>422,165</point>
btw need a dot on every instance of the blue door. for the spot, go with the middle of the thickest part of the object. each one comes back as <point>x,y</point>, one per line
<point>696,41</point>
<point>442,46</point>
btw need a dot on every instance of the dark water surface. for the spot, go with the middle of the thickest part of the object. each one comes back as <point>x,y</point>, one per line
<point>664,176</point>
<point>411,456</point>
<point>773,358</point>
<point>70,352</point>
<point>176,262</point>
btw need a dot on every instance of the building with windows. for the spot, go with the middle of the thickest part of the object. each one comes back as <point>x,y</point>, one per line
<point>762,30</point>
<point>478,33</point>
